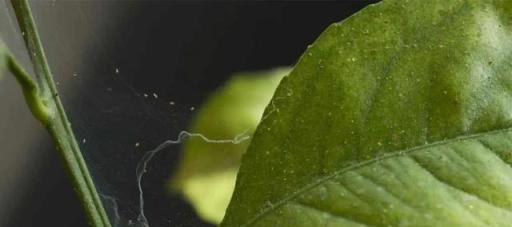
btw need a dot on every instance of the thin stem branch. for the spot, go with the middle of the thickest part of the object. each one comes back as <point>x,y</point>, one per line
<point>44,102</point>
<point>30,91</point>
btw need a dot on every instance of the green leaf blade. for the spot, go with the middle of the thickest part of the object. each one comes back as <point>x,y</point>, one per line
<point>419,189</point>
<point>395,76</point>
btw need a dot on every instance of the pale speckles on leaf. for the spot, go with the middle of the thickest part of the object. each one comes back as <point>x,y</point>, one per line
<point>352,59</point>
<point>411,90</point>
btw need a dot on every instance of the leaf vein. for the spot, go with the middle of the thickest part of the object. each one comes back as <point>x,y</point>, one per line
<point>330,213</point>
<point>368,162</point>
<point>460,190</point>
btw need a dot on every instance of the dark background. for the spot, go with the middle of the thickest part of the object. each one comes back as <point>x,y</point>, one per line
<point>180,51</point>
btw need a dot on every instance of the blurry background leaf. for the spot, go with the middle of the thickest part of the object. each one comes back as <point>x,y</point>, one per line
<point>400,115</point>
<point>206,174</point>
<point>3,59</point>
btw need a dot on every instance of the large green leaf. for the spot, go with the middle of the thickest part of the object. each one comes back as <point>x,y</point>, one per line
<point>400,115</point>
<point>207,171</point>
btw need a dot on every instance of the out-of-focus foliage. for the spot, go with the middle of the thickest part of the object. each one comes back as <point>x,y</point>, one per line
<point>3,58</point>
<point>207,172</point>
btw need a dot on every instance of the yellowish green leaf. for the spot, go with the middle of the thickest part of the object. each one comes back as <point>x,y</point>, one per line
<point>207,171</point>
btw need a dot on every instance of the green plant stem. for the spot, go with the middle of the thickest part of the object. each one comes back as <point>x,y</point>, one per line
<point>30,91</point>
<point>43,100</point>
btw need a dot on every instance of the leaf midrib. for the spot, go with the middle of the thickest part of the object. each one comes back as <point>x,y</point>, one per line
<point>368,162</point>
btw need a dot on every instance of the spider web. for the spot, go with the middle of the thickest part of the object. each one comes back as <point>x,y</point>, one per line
<point>132,75</point>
